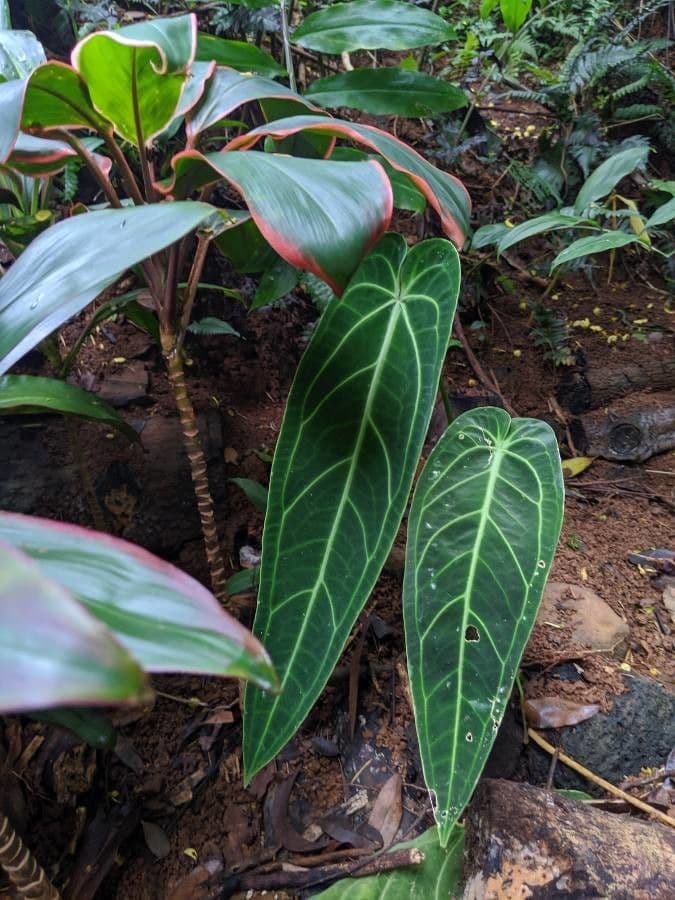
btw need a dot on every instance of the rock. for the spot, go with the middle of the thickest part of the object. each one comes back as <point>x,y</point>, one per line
<point>523,841</point>
<point>638,731</point>
<point>591,621</point>
<point>130,385</point>
<point>669,600</point>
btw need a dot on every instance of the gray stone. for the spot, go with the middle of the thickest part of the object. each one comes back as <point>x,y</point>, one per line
<point>589,620</point>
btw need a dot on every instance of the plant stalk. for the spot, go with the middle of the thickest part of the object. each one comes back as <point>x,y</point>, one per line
<point>23,870</point>
<point>198,469</point>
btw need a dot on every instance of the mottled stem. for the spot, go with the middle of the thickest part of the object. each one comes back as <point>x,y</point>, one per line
<point>195,453</point>
<point>23,870</point>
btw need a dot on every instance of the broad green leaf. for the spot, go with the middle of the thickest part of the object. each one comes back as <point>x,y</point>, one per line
<point>482,530</point>
<point>135,75</point>
<point>370,25</point>
<point>212,325</point>
<point>164,618</point>
<point>52,651</point>
<point>278,281</point>
<point>608,174</point>
<point>445,193</point>
<point>246,248</point>
<point>318,215</point>
<point>486,8</point>
<point>20,53</point>
<point>594,243</point>
<point>238,55</point>
<point>514,12</point>
<point>11,104</point>
<point>388,91</point>
<point>193,90</point>
<point>487,235</point>
<point>31,393</point>
<point>71,263</point>
<point>255,492</point>
<point>440,875</point>
<point>38,156</point>
<point>5,18</point>
<point>538,225</point>
<point>664,214</point>
<point>406,195</point>
<point>355,422</point>
<point>227,90</point>
<point>667,187</point>
<point>56,97</point>
<point>243,582</point>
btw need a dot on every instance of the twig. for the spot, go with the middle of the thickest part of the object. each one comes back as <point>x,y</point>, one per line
<point>478,369</point>
<point>595,779</point>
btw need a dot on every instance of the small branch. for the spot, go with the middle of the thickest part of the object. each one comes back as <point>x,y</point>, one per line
<point>596,779</point>
<point>193,282</point>
<point>478,369</point>
<point>23,870</point>
<point>167,307</point>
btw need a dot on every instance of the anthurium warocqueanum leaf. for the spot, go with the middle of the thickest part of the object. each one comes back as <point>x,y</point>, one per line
<point>388,91</point>
<point>444,192</point>
<point>70,263</point>
<point>483,527</point>
<point>370,25</point>
<point>227,90</point>
<point>32,393</point>
<point>343,466</point>
<point>318,215</point>
<point>52,651</point>
<point>135,75</point>
<point>164,618</point>
<point>238,55</point>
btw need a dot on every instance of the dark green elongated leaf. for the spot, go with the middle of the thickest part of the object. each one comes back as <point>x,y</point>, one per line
<point>227,90</point>
<point>135,75</point>
<point>483,527</point>
<point>440,875</point>
<point>163,617</point>
<point>243,582</point>
<point>277,281</point>
<point>514,12</point>
<point>608,174</point>
<point>594,243</point>
<point>31,393</point>
<point>487,235</point>
<point>20,53</point>
<point>70,263</point>
<point>370,25</point>
<point>53,652</point>
<point>238,55</point>
<point>406,195</point>
<point>355,422</point>
<point>387,91</point>
<point>91,727</point>
<point>255,492</point>
<point>317,214</point>
<point>445,193</point>
<point>245,246</point>
<point>664,214</point>
<point>38,156</point>
<point>538,225</point>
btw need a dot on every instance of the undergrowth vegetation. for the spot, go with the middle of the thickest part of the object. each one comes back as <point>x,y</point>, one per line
<point>138,138</point>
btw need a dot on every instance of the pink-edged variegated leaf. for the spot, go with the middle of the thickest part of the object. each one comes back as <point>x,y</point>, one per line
<point>318,215</point>
<point>194,88</point>
<point>164,618</point>
<point>53,652</point>
<point>38,156</point>
<point>444,192</point>
<point>135,75</point>
<point>228,89</point>
<point>56,97</point>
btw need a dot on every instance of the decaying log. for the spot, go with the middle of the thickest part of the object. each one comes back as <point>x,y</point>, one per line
<point>523,841</point>
<point>595,386</point>
<point>630,430</point>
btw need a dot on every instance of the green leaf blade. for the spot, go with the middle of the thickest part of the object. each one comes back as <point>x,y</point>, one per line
<point>54,653</point>
<point>72,262</point>
<point>20,53</point>
<point>238,55</point>
<point>483,527</point>
<point>31,393</point>
<point>388,91</point>
<point>608,174</point>
<point>164,618</point>
<point>371,25</point>
<point>343,465</point>
<point>594,243</point>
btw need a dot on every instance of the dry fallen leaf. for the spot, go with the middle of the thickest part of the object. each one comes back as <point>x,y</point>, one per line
<point>576,465</point>
<point>156,839</point>
<point>556,712</point>
<point>231,456</point>
<point>387,810</point>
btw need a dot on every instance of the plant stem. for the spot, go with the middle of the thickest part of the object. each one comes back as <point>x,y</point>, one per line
<point>447,405</point>
<point>286,37</point>
<point>103,181</point>
<point>126,174</point>
<point>23,870</point>
<point>192,284</point>
<point>198,469</point>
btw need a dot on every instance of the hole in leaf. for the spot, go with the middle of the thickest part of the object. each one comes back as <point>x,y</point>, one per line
<point>469,737</point>
<point>471,634</point>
